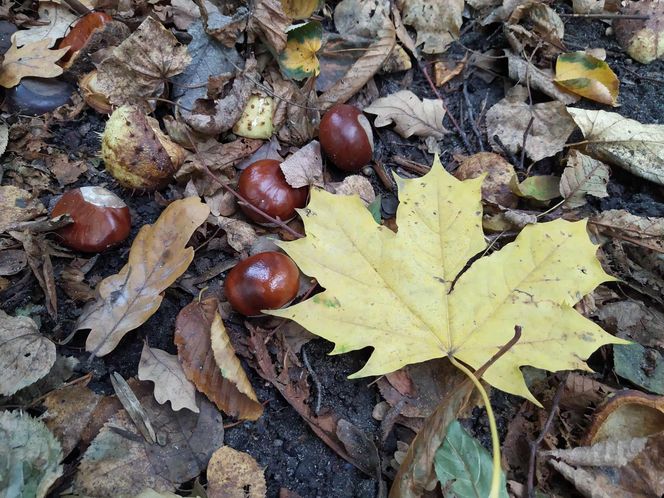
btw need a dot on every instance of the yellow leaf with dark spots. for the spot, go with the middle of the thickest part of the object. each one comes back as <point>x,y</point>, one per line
<point>299,59</point>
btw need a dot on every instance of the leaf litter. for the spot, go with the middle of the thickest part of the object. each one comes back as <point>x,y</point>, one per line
<point>551,167</point>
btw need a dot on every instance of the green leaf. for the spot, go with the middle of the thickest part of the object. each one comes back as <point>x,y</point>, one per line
<point>374,208</point>
<point>464,466</point>
<point>29,456</point>
<point>299,61</point>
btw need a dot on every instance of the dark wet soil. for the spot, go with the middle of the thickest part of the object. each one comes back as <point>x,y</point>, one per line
<point>280,440</point>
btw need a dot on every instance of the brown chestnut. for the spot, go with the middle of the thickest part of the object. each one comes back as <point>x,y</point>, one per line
<point>100,219</point>
<point>264,281</point>
<point>79,35</point>
<point>345,136</point>
<point>264,185</point>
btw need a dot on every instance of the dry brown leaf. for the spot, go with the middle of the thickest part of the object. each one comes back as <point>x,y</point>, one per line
<point>437,22</point>
<point>410,115</point>
<point>644,231</point>
<point>234,474</point>
<point>362,18</point>
<point>239,234</point>
<point>139,66</point>
<point>632,319</point>
<point>583,176</point>
<point>33,59</point>
<point>25,354</point>
<point>157,258</point>
<point>499,173</point>
<point>17,205</point>
<point>363,69</point>
<point>209,360</point>
<point>68,412</point>
<point>53,23</point>
<point>65,170</point>
<point>269,22</point>
<point>119,462</point>
<point>170,382</point>
<point>296,115</point>
<point>39,252</point>
<point>355,185</point>
<point>305,167</point>
<point>510,117</point>
<point>12,261</point>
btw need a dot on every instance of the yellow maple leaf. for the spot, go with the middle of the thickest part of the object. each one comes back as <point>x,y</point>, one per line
<point>395,292</point>
<point>33,59</point>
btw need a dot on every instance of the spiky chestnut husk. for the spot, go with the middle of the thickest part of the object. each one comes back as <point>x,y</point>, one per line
<point>135,151</point>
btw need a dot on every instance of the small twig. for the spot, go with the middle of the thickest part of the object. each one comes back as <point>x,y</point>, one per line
<point>411,166</point>
<point>523,144</point>
<point>471,114</point>
<point>609,16</point>
<point>314,378</point>
<point>382,175</point>
<point>534,445</point>
<point>505,150</point>
<point>508,345</point>
<point>462,134</point>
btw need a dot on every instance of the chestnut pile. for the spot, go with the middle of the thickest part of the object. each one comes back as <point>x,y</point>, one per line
<point>140,157</point>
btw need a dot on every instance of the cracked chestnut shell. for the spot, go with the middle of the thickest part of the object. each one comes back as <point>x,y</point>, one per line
<point>100,219</point>
<point>136,152</point>
<point>264,281</point>
<point>263,184</point>
<point>346,137</point>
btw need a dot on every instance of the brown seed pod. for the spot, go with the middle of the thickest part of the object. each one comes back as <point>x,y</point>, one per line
<point>135,151</point>
<point>93,95</point>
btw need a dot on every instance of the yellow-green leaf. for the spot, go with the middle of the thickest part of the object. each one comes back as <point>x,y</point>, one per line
<point>299,61</point>
<point>393,291</point>
<point>539,188</point>
<point>300,9</point>
<point>587,76</point>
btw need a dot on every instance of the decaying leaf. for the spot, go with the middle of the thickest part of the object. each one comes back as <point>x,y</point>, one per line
<point>526,73</point>
<point>463,465</point>
<point>69,410</point>
<point>157,258</point>
<point>25,354</point>
<point>588,76</point>
<point>239,234</point>
<point>509,120</point>
<point>437,22</point>
<point>30,456</point>
<point>642,38</point>
<point>583,176</point>
<point>305,167</point>
<point>33,59</point>
<point>499,173</point>
<point>119,462</point>
<point>298,61</point>
<point>269,22</point>
<point>392,291</point>
<point>363,69</point>
<point>410,115</point>
<point>360,18</point>
<point>234,474</point>
<point>642,366</point>
<point>17,205</point>
<point>139,67</point>
<point>644,231</point>
<point>636,147</point>
<point>170,382</point>
<point>300,9</point>
<point>209,360</point>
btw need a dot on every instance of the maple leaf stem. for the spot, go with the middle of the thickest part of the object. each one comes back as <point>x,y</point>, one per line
<point>495,442</point>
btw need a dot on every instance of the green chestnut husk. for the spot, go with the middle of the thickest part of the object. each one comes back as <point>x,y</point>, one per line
<point>136,152</point>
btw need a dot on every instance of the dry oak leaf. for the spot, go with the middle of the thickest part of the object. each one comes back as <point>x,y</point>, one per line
<point>234,474</point>
<point>54,22</point>
<point>610,137</point>
<point>410,115</point>
<point>26,356</point>
<point>170,382</point>
<point>209,360</point>
<point>33,59</point>
<point>158,256</point>
<point>437,22</point>
<point>394,291</point>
